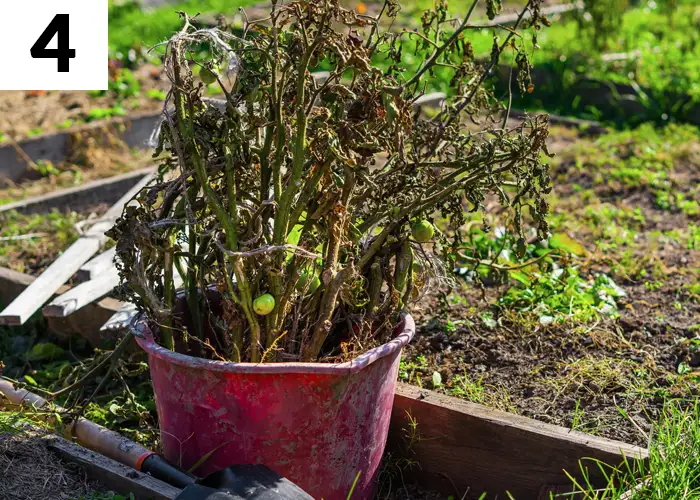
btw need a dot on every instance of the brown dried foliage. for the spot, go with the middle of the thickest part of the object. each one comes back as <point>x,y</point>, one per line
<point>290,177</point>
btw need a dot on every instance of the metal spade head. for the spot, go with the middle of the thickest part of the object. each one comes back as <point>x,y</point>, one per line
<point>239,482</point>
<point>236,482</point>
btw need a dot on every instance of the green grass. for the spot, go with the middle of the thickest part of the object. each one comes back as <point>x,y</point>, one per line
<point>665,65</point>
<point>673,471</point>
<point>53,233</point>
<point>133,28</point>
<point>110,495</point>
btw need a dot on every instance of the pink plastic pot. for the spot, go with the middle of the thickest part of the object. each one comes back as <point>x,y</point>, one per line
<point>316,424</point>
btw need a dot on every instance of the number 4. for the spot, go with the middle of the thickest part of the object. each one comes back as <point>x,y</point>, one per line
<point>59,26</point>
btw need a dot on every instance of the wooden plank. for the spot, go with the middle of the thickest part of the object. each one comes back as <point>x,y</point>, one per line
<point>80,197</point>
<point>432,100</point>
<point>120,319</point>
<point>134,130</point>
<point>111,474</point>
<point>78,297</point>
<point>57,274</point>
<point>94,267</point>
<point>60,271</point>
<point>461,446</point>
<point>86,322</point>
<point>509,19</point>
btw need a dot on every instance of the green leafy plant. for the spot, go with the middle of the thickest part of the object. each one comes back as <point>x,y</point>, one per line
<point>103,113</point>
<point>46,168</point>
<point>122,83</point>
<point>337,179</point>
<point>563,293</point>
<point>601,20</point>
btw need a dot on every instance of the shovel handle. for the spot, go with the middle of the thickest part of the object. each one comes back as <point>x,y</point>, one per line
<point>89,434</point>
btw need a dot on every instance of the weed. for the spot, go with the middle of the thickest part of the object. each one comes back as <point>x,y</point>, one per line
<point>104,113</point>
<point>593,375</point>
<point>577,418</point>
<point>110,495</point>
<point>473,389</point>
<point>673,468</point>
<point>653,286</point>
<point>564,294</point>
<point>411,371</point>
<point>46,168</point>
<point>156,94</point>
<point>65,124</point>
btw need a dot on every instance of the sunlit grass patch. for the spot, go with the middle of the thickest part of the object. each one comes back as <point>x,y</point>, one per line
<point>27,239</point>
<point>673,469</point>
<point>474,389</point>
<point>594,375</point>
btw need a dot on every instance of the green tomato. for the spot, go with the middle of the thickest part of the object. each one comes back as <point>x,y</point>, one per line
<point>264,304</point>
<point>207,76</point>
<point>422,231</point>
<point>303,280</point>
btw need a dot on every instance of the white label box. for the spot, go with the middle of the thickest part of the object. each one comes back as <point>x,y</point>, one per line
<point>54,44</point>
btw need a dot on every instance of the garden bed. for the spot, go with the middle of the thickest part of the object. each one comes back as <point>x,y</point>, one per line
<point>38,464</point>
<point>630,199</point>
<point>435,443</point>
<point>575,373</point>
<point>31,471</point>
<point>32,113</point>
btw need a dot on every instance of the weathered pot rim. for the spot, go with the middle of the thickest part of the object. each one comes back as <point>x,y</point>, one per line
<point>145,339</point>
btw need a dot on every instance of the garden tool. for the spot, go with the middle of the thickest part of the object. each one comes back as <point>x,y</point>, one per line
<point>236,482</point>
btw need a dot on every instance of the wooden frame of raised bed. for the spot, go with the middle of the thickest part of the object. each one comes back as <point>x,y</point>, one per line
<point>16,157</point>
<point>453,446</point>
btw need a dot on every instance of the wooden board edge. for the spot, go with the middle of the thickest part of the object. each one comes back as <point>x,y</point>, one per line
<point>106,190</point>
<point>463,449</point>
<point>502,419</point>
<point>111,474</point>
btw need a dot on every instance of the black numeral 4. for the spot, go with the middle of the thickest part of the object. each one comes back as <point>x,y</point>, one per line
<point>58,26</point>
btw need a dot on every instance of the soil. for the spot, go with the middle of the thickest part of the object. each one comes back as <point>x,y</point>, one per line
<point>608,376</point>
<point>25,113</point>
